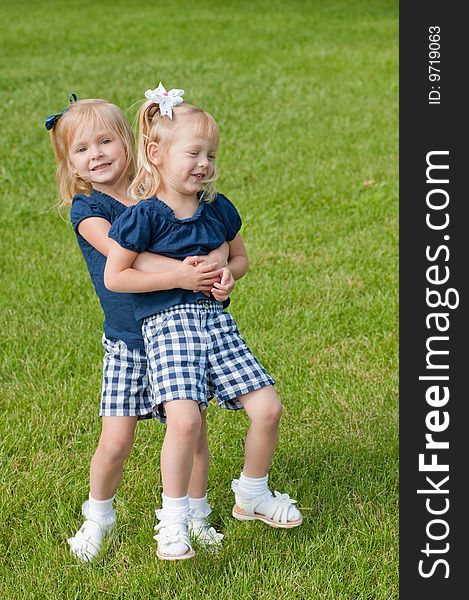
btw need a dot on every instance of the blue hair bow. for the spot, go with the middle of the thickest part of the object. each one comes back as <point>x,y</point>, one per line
<point>52,120</point>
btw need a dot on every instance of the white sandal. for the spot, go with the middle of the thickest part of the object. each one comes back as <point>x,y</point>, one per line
<point>172,529</point>
<point>86,543</point>
<point>277,516</point>
<point>200,529</point>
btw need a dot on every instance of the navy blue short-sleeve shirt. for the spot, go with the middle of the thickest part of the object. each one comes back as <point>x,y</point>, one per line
<point>120,322</point>
<point>152,226</point>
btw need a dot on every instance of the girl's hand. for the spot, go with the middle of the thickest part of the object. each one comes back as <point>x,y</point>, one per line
<point>221,290</point>
<point>193,260</point>
<point>197,261</point>
<point>200,278</point>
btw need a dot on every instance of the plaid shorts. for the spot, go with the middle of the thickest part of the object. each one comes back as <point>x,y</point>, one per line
<point>195,352</point>
<point>126,386</point>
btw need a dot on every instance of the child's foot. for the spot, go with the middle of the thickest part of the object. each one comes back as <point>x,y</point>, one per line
<point>277,510</point>
<point>200,529</point>
<point>86,543</point>
<point>173,536</point>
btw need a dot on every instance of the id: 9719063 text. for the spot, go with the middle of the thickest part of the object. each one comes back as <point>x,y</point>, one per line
<point>434,76</point>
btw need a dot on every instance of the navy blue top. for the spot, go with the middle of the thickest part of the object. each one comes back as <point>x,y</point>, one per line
<point>119,322</point>
<point>152,225</point>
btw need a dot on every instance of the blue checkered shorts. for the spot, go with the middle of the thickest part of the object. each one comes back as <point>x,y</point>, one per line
<point>126,385</point>
<point>195,352</point>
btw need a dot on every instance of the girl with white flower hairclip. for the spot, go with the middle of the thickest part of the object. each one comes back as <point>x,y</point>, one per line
<point>94,150</point>
<point>193,345</point>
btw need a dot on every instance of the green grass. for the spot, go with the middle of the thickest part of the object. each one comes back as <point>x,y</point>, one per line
<point>306,97</point>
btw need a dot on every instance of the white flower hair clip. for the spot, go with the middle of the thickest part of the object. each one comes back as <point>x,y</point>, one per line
<point>165,100</point>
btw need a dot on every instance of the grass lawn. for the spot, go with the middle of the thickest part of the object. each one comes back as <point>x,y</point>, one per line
<point>306,96</point>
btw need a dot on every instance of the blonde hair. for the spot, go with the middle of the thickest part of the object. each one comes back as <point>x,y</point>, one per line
<point>152,127</point>
<point>100,114</point>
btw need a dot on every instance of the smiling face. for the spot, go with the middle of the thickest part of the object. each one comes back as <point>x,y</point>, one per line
<point>98,157</point>
<point>185,164</point>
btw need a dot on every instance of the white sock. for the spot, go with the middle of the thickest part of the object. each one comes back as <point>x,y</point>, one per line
<point>251,487</point>
<point>100,508</point>
<point>199,504</point>
<point>175,506</point>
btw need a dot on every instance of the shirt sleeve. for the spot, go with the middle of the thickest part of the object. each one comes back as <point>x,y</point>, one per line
<point>85,208</point>
<point>132,230</point>
<point>229,215</point>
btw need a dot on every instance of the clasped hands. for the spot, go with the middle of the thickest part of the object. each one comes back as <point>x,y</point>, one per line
<point>200,275</point>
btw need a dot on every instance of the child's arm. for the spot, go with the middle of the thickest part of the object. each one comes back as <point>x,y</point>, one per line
<point>237,267</point>
<point>95,231</point>
<point>218,256</point>
<point>238,261</point>
<point>229,253</point>
<point>120,276</point>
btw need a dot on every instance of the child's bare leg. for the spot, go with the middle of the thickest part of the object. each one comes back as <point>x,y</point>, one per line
<point>200,509</point>
<point>183,425</point>
<point>253,497</point>
<point>177,452</point>
<point>200,466</point>
<point>115,444</point>
<point>107,464</point>
<point>264,409</point>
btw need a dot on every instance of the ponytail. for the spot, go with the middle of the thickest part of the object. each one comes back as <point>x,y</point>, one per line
<point>147,179</point>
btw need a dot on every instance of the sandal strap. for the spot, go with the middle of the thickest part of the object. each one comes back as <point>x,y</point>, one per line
<point>172,533</point>
<point>172,528</point>
<point>83,535</point>
<point>84,544</point>
<point>279,503</point>
<point>280,507</point>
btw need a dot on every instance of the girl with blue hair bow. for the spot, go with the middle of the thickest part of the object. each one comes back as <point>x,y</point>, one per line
<point>94,150</point>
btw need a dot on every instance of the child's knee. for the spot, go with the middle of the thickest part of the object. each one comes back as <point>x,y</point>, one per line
<point>273,411</point>
<point>185,424</point>
<point>115,449</point>
<point>264,407</point>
